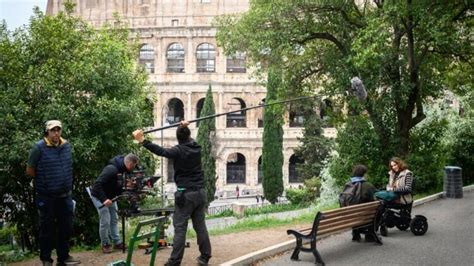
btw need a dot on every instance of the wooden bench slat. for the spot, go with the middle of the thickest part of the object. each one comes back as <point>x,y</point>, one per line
<point>346,221</point>
<point>343,226</point>
<point>355,208</point>
<point>347,216</point>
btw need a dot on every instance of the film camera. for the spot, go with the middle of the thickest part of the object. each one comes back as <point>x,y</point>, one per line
<point>135,186</point>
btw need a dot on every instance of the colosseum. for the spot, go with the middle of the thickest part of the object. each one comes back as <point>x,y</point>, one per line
<point>180,53</point>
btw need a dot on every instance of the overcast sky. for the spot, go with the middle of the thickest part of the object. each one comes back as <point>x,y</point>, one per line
<point>17,12</point>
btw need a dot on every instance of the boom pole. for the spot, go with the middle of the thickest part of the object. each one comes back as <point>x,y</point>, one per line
<point>226,113</point>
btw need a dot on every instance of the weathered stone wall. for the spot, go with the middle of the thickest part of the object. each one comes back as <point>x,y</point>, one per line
<point>160,23</point>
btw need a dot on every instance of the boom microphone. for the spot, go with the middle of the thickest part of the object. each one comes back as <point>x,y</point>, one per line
<point>358,88</point>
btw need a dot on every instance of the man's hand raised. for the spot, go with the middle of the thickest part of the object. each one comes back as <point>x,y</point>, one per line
<point>138,135</point>
<point>184,123</point>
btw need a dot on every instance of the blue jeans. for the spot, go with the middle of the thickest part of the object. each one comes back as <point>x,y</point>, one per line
<point>108,222</point>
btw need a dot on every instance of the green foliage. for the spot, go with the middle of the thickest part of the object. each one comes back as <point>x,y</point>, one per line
<point>305,195</point>
<point>404,51</point>
<point>6,234</point>
<point>272,150</point>
<point>357,143</point>
<point>61,68</point>
<point>460,139</point>
<point>428,154</point>
<point>296,196</point>
<point>225,213</point>
<point>273,208</point>
<point>314,147</point>
<point>206,131</point>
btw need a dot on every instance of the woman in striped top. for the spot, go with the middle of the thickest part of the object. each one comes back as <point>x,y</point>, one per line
<point>400,180</point>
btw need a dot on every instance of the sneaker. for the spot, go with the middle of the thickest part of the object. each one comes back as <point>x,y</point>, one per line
<point>120,246</point>
<point>47,263</point>
<point>369,238</point>
<point>356,237</point>
<point>69,261</point>
<point>201,261</point>
<point>172,263</point>
<point>106,248</point>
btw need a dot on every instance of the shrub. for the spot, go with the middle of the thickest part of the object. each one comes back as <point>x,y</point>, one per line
<point>306,194</point>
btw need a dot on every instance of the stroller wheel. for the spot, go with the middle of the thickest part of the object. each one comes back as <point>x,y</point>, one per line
<point>403,223</point>
<point>419,225</point>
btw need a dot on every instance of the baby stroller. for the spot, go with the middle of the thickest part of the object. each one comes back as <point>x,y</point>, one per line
<point>399,215</point>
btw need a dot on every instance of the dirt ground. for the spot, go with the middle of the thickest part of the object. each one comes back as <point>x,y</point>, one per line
<point>224,248</point>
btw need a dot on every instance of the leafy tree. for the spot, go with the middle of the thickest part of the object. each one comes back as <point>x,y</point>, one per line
<point>428,155</point>
<point>59,67</point>
<point>357,143</point>
<point>460,138</point>
<point>272,150</point>
<point>314,147</point>
<point>402,50</point>
<point>206,132</point>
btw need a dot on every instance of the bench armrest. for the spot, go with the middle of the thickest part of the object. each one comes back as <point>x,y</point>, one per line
<point>298,234</point>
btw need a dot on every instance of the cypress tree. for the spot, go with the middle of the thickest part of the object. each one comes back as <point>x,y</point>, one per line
<point>206,130</point>
<point>272,154</point>
<point>314,147</point>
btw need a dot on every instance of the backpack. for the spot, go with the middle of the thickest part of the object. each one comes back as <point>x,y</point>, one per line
<point>350,195</point>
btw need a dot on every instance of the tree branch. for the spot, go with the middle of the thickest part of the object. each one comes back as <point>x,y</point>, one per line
<point>339,10</point>
<point>424,52</point>
<point>324,36</point>
<point>420,115</point>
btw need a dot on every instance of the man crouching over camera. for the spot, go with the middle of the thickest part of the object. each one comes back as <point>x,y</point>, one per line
<point>190,197</point>
<point>106,187</point>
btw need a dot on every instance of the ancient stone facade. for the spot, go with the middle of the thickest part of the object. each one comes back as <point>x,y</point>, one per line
<point>180,52</point>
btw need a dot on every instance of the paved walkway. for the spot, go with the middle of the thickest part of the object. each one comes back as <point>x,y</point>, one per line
<point>449,241</point>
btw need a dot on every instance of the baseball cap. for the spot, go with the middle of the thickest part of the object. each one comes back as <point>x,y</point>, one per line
<point>52,124</point>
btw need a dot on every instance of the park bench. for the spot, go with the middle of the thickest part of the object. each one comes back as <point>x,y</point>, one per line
<point>360,216</point>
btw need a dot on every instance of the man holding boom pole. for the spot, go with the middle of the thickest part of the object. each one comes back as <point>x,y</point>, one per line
<point>190,197</point>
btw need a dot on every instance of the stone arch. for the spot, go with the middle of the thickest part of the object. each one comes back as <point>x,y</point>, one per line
<point>175,111</point>
<point>235,169</point>
<point>292,171</point>
<point>175,58</point>
<point>238,119</point>
<point>296,116</point>
<point>147,57</point>
<point>206,58</point>
<point>259,115</point>
<point>199,106</point>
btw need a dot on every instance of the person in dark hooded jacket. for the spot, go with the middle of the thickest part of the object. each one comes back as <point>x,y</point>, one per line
<point>190,197</point>
<point>105,188</point>
<point>367,191</point>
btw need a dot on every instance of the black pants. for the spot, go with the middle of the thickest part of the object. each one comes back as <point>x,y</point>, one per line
<point>193,208</point>
<point>55,224</point>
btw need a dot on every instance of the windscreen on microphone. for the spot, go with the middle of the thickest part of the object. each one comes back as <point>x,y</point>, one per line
<point>358,88</point>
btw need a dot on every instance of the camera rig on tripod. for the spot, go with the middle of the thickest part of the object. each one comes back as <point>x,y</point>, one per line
<point>135,186</point>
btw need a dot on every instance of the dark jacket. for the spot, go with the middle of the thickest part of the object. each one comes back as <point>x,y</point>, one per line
<point>367,190</point>
<point>107,185</point>
<point>53,169</point>
<point>186,162</point>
